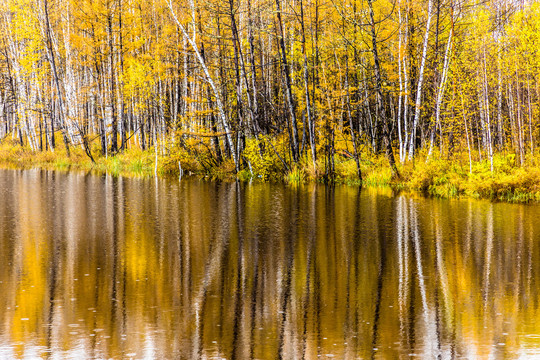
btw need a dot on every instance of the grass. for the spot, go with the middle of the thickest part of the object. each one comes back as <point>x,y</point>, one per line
<point>129,163</point>
<point>452,179</point>
<point>436,176</point>
<point>296,176</point>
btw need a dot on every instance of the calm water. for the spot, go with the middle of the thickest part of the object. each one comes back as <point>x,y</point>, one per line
<point>105,267</point>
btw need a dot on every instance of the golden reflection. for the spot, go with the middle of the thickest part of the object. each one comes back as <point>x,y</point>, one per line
<point>108,267</point>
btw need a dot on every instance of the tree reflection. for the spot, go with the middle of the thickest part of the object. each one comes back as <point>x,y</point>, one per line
<point>109,267</point>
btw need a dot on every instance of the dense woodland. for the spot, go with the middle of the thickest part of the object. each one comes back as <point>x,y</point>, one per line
<point>270,85</point>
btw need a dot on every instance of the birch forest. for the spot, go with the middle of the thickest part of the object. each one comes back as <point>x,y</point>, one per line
<point>269,86</point>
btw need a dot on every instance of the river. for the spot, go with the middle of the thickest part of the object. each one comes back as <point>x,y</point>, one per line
<point>113,267</point>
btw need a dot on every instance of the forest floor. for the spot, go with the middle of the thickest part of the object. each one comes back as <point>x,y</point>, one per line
<point>439,176</point>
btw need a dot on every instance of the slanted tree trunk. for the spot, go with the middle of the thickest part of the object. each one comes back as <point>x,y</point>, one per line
<point>210,81</point>
<point>440,92</point>
<point>418,103</point>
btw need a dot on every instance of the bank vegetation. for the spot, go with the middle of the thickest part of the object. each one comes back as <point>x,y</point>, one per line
<point>440,96</point>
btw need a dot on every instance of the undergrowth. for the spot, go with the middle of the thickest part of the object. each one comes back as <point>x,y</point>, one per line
<point>440,176</point>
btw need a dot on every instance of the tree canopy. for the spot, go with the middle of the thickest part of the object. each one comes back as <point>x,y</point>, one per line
<point>271,84</point>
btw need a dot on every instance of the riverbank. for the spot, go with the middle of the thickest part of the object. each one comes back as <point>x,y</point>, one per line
<point>437,176</point>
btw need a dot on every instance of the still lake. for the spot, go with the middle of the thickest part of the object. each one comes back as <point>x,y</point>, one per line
<point>113,267</point>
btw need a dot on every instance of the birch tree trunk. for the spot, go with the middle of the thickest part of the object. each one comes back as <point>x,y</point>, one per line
<point>52,62</point>
<point>311,125</point>
<point>210,81</point>
<point>442,87</point>
<point>420,83</point>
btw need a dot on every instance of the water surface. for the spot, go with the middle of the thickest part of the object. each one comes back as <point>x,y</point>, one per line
<point>111,267</point>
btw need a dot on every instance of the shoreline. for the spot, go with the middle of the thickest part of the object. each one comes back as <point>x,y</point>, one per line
<point>436,177</point>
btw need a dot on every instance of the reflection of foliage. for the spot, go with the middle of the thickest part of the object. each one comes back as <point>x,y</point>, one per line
<point>132,264</point>
<point>31,293</point>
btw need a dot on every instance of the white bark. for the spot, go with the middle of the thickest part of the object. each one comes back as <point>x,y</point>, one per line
<point>487,117</point>
<point>210,81</point>
<point>467,134</point>
<point>400,102</point>
<point>442,87</point>
<point>420,82</point>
